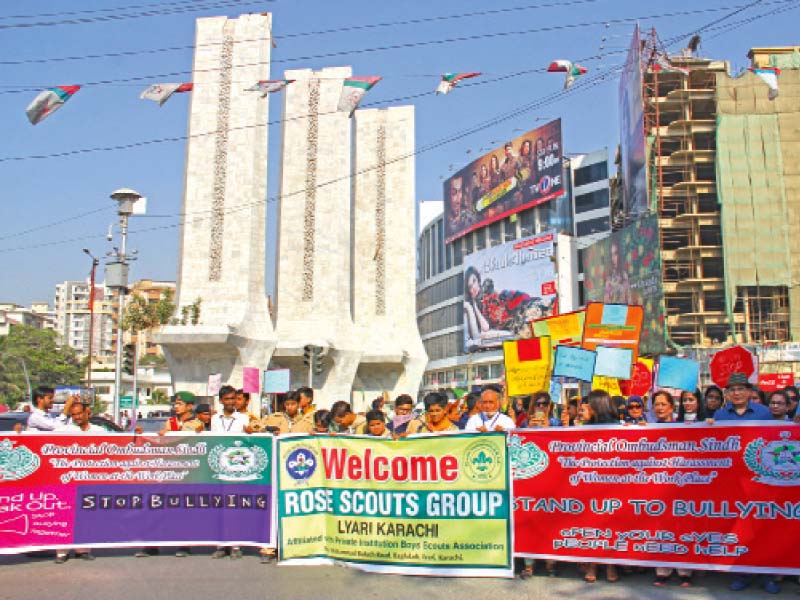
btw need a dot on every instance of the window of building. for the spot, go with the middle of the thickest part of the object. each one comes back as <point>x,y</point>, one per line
<point>509,229</point>
<point>480,239</point>
<point>458,251</point>
<point>592,201</point>
<point>496,233</point>
<point>591,173</point>
<point>439,247</point>
<point>526,223</point>
<point>591,226</point>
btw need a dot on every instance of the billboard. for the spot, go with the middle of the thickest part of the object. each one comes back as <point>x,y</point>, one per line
<point>524,172</point>
<point>625,268</point>
<point>506,287</point>
<point>632,148</point>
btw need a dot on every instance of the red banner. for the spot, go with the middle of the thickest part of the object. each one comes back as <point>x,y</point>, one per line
<point>772,382</point>
<point>699,496</point>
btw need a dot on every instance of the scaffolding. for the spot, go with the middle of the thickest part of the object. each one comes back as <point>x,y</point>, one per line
<point>680,118</point>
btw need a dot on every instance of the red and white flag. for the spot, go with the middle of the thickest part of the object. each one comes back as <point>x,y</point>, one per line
<point>161,92</point>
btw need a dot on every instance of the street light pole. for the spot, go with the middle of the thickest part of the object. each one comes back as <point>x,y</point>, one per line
<point>117,278</point>
<point>95,263</point>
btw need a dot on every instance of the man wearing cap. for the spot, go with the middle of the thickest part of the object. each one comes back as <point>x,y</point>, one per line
<point>739,406</point>
<point>184,419</point>
<point>203,413</point>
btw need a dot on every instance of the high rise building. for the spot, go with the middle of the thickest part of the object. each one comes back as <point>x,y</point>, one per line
<point>72,318</point>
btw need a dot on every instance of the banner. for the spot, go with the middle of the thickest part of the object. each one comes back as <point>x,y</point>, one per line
<point>505,287</point>
<point>772,382</point>
<point>614,325</point>
<point>707,497</point>
<point>625,268</point>
<point>64,490</point>
<point>632,134</point>
<point>527,365</point>
<point>525,172</point>
<point>421,506</point>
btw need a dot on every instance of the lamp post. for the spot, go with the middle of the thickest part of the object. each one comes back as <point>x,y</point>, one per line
<point>117,278</point>
<point>95,263</point>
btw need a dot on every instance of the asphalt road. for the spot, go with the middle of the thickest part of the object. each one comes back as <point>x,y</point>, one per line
<point>117,575</point>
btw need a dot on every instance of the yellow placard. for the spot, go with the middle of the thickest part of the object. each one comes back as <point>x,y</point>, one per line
<point>527,365</point>
<point>566,329</point>
<point>608,384</point>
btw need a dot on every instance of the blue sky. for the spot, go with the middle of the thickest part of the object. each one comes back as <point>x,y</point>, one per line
<point>51,208</point>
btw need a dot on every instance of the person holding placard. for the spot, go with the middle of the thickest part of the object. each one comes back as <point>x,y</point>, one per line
<point>540,412</point>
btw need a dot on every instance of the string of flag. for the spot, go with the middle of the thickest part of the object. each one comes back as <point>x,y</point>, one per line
<point>353,90</point>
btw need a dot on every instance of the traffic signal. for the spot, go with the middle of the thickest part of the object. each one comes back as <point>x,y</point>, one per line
<point>312,358</point>
<point>129,358</point>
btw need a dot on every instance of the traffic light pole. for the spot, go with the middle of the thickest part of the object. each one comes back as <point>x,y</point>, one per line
<point>135,400</point>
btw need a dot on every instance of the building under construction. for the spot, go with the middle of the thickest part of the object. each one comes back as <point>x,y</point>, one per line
<point>723,175</point>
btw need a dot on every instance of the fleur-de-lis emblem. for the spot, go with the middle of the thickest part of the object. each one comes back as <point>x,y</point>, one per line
<point>482,462</point>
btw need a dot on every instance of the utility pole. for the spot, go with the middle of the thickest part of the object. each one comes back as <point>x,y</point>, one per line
<point>117,278</point>
<point>95,262</point>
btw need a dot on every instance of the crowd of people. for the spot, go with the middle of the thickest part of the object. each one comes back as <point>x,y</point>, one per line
<point>491,409</point>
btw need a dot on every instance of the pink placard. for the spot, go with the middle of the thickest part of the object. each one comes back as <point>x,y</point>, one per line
<point>251,377</point>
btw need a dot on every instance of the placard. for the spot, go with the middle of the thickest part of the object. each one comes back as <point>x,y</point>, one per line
<point>613,362</point>
<point>641,378</point>
<point>527,365</point>
<point>615,325</point>
<point>607,384</point>
<point>574,362</point>
<point>251,380</point>
<point>678,373</point>
<point>214,384</point>
<point>564,330</point>
<point>731,360</point>
<point>277,381</point>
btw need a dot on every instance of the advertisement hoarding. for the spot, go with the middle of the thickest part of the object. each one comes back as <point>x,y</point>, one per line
<point>632,141</point>
<point>625,268</point>
<point>506,287</point>
<point>524,172</point>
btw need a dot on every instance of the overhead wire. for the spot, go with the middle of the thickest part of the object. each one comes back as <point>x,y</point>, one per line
<point>400,46</point>
<point>525,108</point>
<point>200,5</point>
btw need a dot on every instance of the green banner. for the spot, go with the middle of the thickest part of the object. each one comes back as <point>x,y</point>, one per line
<point>422,505</point>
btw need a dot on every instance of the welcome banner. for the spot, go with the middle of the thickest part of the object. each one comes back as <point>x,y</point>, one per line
<point>424,506</point>
<point>707,497</point>
<point>64,490</point>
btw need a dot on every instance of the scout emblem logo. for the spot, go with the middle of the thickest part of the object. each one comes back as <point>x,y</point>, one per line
<point>16,463</point>
<point>301,464</point>
<point>237,462</point>
<point>482,462</point>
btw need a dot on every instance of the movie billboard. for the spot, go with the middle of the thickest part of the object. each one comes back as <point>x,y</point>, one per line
<point>524,172</point>
<point>625,268</point>
<point>632,146</point>
<point>506,287</point>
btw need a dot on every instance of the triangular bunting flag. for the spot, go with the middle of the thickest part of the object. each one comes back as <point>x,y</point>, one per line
<point>268,86</point>
<point>449,81</point>
<point>161,92</point>
<point>49,101</point>
<point>353,90</point>
<point>572,70</point>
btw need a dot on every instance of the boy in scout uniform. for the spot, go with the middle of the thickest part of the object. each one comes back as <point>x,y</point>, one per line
<point>291,420</point>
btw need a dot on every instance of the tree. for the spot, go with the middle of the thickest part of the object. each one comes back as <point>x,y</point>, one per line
<point>47,363</point>
<point>141,315</point>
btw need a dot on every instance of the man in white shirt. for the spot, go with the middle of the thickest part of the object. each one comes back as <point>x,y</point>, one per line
<point>490,418</point>
<point>41,419</point>
<point>79,413</point>
<point>229,420</point>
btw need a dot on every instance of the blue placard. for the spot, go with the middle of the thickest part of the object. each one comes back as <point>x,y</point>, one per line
<point>678,373</point>
<point>613,362</point>
<point>277,381</point>
<point>614,314</point>
<point>574,362</point>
